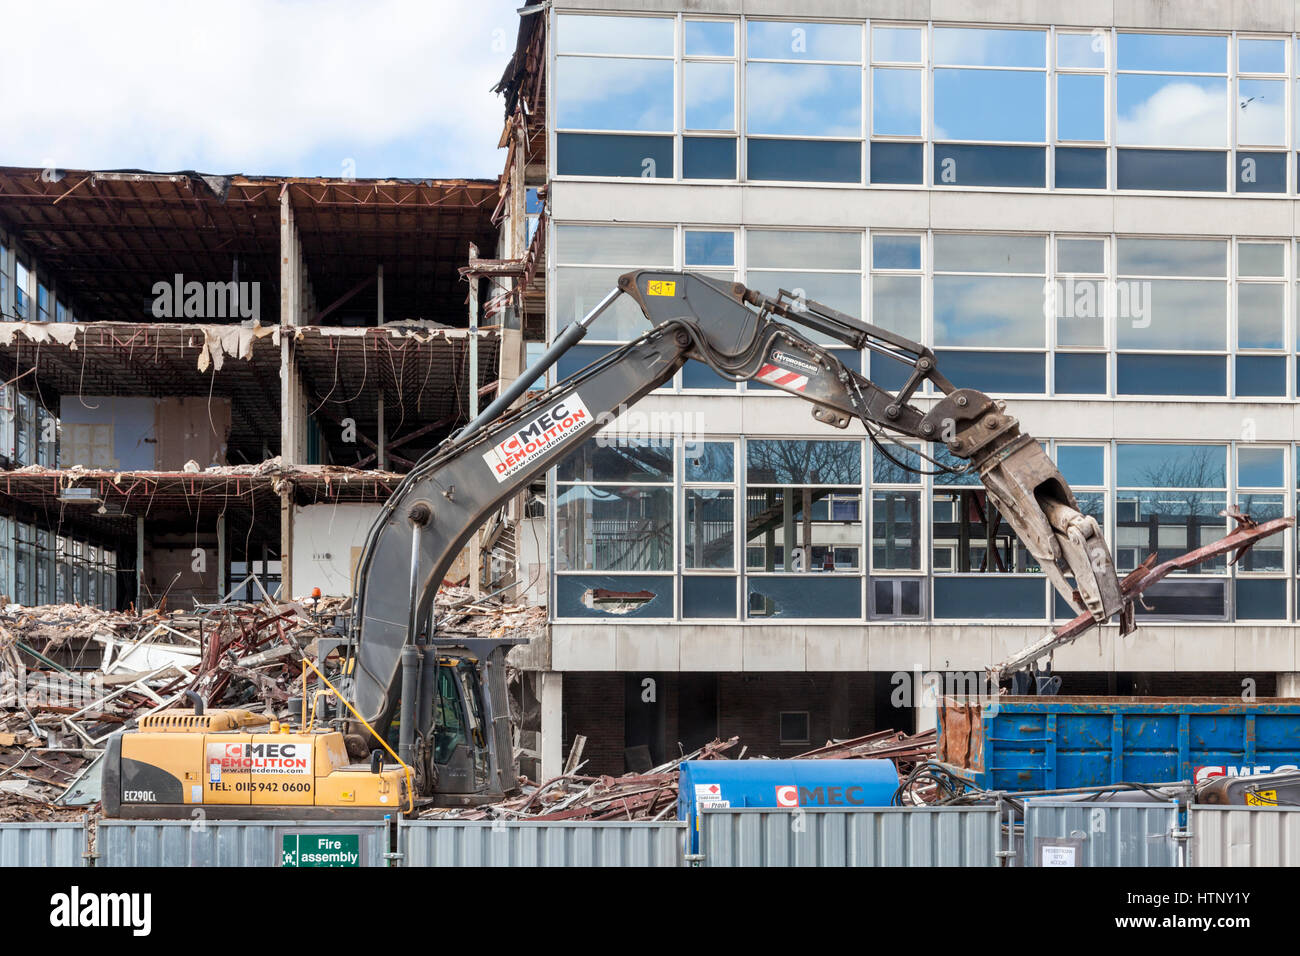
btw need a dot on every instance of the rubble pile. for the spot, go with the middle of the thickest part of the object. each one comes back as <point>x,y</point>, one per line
<point>71,675</point>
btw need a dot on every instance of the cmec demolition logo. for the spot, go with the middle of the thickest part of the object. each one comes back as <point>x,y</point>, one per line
<point>542,434</point>
<point>179,299</point>
<point>76,909</point>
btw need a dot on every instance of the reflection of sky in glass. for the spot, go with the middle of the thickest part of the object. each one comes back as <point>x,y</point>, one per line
<point>614,94</point>
<point>796,249</point>
<point>1172,110</point>
<point>957,253</point>
<point>1080,51</point>
<point>1260,316</point>
<point>1173,257</point>
<point>1005,311</point>
<point>645,35</point>
<point>709,460</point>
<point>1082,464</point>
<point>793,462</point>
<point>710,38</point>
<point>1081,107</point>
<point>962,46</point>
<point>710,100</point>
<point>1080,255</point>
<point>620,245</point>
<point>896,102</point>
<point>773,40</point>
<point>896,304</point>
<point>709,248</point>
<point>1175,314</point>
<point>895,252</point>
<point>896,44</point>
<point>1260,258</point>
<point>995,105</point>
<point>1173,53</point>
<point>1261,56</point>
<point>1260,467</point>
<point>843,292</point>
<point>788,99</point>
<point>1261,112</point>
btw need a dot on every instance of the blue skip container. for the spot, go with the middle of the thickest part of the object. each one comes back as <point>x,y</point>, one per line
<point>781,784</point>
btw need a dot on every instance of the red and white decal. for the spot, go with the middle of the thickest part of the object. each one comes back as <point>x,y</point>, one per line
<point>775,375</point>
<point>1209,772</point>
<point>787,795</point>
<point>294,758</point>
<point>551,428</point>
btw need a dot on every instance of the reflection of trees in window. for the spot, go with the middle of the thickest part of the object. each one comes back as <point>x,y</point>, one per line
<point>804,462</point>
<point>970,528</point>
<point>1181,515</point>
<point>803,529</point>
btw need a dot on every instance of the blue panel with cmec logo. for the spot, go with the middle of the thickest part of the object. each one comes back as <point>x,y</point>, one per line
<point>782,784</point>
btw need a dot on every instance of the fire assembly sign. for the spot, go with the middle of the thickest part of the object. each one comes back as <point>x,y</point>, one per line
<point>545,432</point>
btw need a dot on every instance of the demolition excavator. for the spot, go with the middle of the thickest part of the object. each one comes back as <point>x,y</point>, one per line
<point>429,706</point>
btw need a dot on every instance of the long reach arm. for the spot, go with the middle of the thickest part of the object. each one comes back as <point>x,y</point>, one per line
<point>742,335</point>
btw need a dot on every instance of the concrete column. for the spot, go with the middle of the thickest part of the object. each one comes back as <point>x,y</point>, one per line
<point>1288,684</point>
<point>139,563</point>
<point>473,336</point>
<point>552,704</point>
<point>222,588</point>
<point>379,287</point>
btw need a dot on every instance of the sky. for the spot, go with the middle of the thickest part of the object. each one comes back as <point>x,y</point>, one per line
<point>398,88</point>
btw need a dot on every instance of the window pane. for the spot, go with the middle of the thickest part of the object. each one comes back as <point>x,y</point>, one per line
<point>1080,312</point>
<point>627,35</point>
<point>1261,112</point>
<point>708,597</point>
<point>1268,554</point>
<point>710,248</point>
<point>888,471</point>
<point>1081,107</point>
<point>604,528</point>
<point>1261,259</point>
<point>630,246</point>
<point>896,44</point>
<point>896,163</point>
<point>776,40</point>
<point>1261,56</point>
<point>1081,51</point>
<point>804,530</point>
<point>1080,374</point>
<point>1260,467</point>
<point>709,528</point>
<point>796,462</point>
<point>708,157</point>
<point>998,373</point>
<point>896,304</point>
<point>983,599</point>
<point>896,530</point>
<point>1177,54</point>
<point>1169,466</point>
<point>895,252</point>
<point>710,95</point>
<point>794,99</point>
<point>1082,465</point>
<point>1167,523</point>
<point>1080,168</point>
<point>804,161</point>
<point>1005,311</point>
<point>963,165</point>
<point>618,458</point>
<point>580,290</point>
<point>623,595</point>
<point>964,524</point>
<point>1173,314</point>
<point>710,38</point>
<point>958,253</point>
<point>709,461</point>
<point>597,154</point>
<point>1173,257</point>
<point>1261,375</point>
<point>896,102</point>
<point>971,104</point>
<point>962,46</point>
<point>1081,255</point>
<point>614,94</point>
<point>801,597</point>
<point>1181,170</point>
<point>1171,375</point>
<point>1261,172</point>
<point>1260,316</point>
<point>780,249</point>
<point>1159,110</point>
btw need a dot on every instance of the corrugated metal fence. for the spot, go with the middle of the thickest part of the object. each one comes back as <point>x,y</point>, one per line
<point>529,843</point>
<point>1074,833</point>
<point>229,842</point>
<point>43,844</point>
<point>883,836</point>
<point>1245,836</point>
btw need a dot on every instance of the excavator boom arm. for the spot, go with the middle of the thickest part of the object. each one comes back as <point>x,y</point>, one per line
<point>741,335</point>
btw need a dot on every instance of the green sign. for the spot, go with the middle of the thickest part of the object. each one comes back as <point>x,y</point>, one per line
<point>321,849</point>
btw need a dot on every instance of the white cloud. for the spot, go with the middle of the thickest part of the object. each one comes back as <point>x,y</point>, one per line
<point>259,87</point>
<point>1178,113</point>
